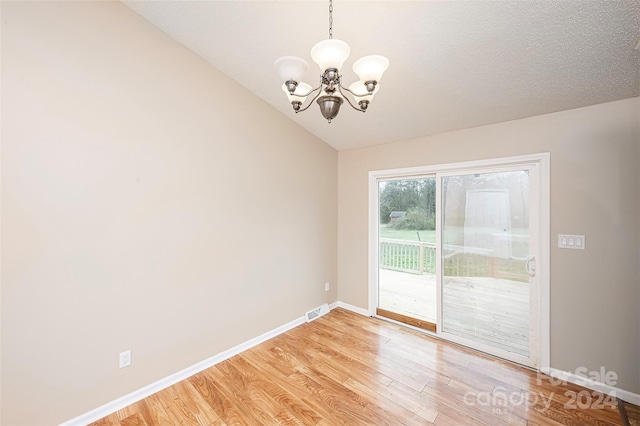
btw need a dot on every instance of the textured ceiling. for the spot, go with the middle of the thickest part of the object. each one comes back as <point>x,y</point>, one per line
<point>454,64</point>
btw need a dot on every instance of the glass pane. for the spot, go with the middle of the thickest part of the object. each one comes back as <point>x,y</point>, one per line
<point>407,249</point>
<point>485,237</point>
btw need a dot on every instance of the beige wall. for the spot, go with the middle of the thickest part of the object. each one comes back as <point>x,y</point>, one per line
<point>148,203</point>
<point>595,163</point>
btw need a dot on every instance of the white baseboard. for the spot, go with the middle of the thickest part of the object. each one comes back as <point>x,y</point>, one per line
<point>161,384</point>
<point>135,396</point>
<point>351,308</point>
<point>622,394</point>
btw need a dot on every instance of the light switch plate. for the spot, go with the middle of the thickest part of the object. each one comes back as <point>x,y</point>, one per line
<point>575,242</point>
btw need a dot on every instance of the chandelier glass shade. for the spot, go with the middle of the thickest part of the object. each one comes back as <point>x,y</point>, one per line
<point>302,88</point>
<point>330,56</point>
<point>330,53</point>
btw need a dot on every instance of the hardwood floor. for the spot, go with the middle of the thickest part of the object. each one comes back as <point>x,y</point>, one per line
<point>344,368</point>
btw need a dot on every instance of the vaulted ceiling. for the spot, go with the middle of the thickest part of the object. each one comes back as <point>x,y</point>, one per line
<point>454,64</point>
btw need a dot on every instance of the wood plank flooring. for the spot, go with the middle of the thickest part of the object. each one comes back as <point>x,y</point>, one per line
<point>487,310</point>
<point>346,369</point>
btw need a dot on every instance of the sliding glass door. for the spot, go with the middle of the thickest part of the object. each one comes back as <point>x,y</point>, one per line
<point>455,253</point>
<point>407,251</point>
<point>486,252</point>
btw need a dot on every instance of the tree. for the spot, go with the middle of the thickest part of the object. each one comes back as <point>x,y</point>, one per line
<point>416,219</point>
<point>408,195</point>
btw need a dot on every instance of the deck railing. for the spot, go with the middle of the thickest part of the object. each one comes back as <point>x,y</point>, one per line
<point>415,257</point>
<point>418,257</point>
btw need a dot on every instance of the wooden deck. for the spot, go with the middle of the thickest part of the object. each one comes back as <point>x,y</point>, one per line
<point>491,311</point>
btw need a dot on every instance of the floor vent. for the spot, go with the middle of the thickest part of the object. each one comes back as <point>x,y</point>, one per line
<point>317,313</point>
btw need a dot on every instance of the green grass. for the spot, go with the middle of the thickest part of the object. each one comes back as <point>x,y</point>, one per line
<point>403,234</point>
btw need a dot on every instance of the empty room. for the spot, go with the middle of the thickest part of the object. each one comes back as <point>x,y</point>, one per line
<point>320,212</point>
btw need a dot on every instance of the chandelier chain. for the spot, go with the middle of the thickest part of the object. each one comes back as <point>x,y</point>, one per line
<point>330,19</point>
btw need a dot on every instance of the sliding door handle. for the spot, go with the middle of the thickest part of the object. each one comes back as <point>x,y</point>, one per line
<point>530,266</point>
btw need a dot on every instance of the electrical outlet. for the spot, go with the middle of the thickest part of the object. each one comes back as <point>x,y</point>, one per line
<point>125,358</point>
<point>326,286</point>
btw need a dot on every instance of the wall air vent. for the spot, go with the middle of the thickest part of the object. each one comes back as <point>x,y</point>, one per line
<point>317,313</point>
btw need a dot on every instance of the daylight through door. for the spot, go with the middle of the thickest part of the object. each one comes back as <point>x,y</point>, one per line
<point>407,251</point>
<point>456,252</point>
<point>485,253</point>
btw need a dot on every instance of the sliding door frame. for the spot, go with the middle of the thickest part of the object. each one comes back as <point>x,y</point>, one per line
<point>540,355</point>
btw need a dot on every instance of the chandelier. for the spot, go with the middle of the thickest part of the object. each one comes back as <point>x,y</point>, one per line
<point>330,55</point>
